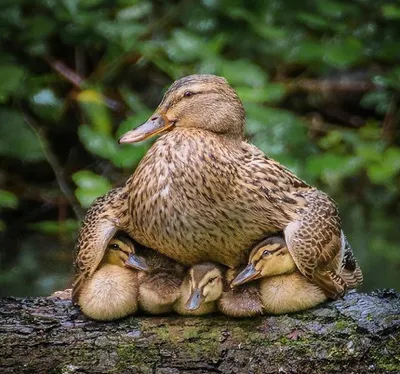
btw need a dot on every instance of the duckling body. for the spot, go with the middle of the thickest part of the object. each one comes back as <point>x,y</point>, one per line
<point>159,285</point>
<point>112,291</point>
<point>283,289</point>
<point>202,193</point>
<point>241,301</point>
<point>110,294</point>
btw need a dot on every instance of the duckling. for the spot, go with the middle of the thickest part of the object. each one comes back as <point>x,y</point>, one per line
<point>112,291</point>
<point>100,224</point>
<point>283,288</point>
<point>200,290</point>
<point>202,193</point>
<point>159,281</point>
<point>205,290</point>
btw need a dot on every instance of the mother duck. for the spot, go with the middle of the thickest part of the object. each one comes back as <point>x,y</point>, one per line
<point>202,193</point>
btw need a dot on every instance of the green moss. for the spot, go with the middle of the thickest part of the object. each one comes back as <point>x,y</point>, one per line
<point>129,355</point>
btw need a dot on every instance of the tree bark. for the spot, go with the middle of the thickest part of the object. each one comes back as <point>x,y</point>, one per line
<point>359,334</point>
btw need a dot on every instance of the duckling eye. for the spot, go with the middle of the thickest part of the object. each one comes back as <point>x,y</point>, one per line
<point>212,280</point>
<point>266,253</point>
<point>188,94</point>
<point>114,246</point>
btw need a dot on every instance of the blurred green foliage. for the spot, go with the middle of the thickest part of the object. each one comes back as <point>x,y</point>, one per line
<point>320,81</point>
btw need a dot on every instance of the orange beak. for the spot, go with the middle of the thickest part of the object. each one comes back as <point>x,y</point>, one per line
<point>156,124</point>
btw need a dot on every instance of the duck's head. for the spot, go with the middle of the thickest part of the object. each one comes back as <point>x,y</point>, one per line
<point>206,284</point>
<point>270,257</point>
<point>121,252</point>
<point>202,101</point>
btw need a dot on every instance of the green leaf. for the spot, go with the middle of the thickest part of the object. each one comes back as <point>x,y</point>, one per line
<point>242,72</point>
<point>306,51</point>
<point>90,186</point>
<point>391,11</point>
<point>94,106</point>
<point>97,142</point>
<point>8,200</point>
<point>11,77</point>
<point>343,53</point>
<point>55,227</point>
<point>271,93</point>
<point>46,104</point>
<point>17,139</point>
<point>185,46</point>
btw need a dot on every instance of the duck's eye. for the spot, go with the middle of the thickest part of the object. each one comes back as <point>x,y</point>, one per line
<point>114,246</point>
<point>266,253</point>
<point>212,280</point>
<point>188,94</point>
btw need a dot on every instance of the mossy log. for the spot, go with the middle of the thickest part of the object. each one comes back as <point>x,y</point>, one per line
<point>359,334</point>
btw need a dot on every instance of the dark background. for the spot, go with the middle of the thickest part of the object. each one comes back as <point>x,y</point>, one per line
<point>320,81</point>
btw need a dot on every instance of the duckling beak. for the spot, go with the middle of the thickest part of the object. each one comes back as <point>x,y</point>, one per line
<point>246,275</point>
<point>195,300</point>
<point>136,262</point>
<point>156,124</point>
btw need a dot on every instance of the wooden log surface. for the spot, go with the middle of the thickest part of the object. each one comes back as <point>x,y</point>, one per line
<point>359,334</point>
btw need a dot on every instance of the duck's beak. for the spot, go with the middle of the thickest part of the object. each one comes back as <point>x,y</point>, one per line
<point>195,300</point>
<point>136,262</point>
<point>246,275</point>
<point>156,124</point>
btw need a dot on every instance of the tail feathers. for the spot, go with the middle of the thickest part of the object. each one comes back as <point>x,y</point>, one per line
<point>353,278</point>
<point>350,270</point>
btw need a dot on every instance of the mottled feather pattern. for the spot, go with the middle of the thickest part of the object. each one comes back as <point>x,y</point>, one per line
<point>350,271</point>
<point>201,193</point>
<point>314,241</point>
<point>206,201</point>
<point>100,224</point>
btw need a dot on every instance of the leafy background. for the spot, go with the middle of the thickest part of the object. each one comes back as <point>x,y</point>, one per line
<point>319,80</point>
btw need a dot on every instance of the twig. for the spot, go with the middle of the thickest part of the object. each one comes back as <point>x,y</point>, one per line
<point>78,82</point>
<point>328,85</point>
<point>55,165</point>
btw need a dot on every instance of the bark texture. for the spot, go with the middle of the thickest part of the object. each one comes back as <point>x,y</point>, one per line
<point>359,334</point>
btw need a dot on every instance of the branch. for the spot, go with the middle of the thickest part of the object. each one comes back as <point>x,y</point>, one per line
<point>55,165</point>
<point>358,334</point>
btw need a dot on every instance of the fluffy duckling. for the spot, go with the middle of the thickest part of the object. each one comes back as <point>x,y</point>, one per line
<point>205,290</point>
<point>112,291</point>
<point>160,279</point>
<point>200,290</point>
<point>283,288</point>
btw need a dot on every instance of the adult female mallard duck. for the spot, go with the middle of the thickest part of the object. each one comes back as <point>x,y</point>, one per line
<point>202,193</point>
<point>111,292</point>
<point>283,289</point>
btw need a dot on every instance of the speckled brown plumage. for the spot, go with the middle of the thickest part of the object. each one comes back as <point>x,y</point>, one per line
<point>97,229</point>
<point>202,193</point>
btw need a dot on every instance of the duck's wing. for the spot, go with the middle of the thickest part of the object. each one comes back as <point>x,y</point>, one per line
<point>97,229</point>
<point>315,243</point>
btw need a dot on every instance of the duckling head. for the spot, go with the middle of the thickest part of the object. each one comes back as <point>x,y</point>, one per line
<point>118,251</point>
<point>270,257</point>
<point>121,252</point>
<point>201,101</point>
<point>206,285</point>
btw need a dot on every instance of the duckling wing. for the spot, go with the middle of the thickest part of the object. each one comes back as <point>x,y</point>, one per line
<point>97,229</point>
<point>315,243</point>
